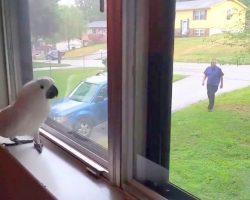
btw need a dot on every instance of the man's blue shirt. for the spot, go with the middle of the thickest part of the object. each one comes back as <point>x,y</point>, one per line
<point>213,75</point>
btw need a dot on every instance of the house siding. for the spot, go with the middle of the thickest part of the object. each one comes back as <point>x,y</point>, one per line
<point>216,20</point>
<point>218,17</point>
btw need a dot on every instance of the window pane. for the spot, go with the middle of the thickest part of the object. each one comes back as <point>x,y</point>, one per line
<point>209,150</point>
<point>203,14</point>
<point>206,150</point>
<point>152,97</point>
<point>69,44</point>
<point>196,15</point>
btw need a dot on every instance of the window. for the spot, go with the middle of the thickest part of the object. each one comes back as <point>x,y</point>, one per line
<point>199,32</point>
<point>147,104</point>
<point>229,14</point>
<point>134,94</point>
<point>59,30</point>
<point>199,14</point>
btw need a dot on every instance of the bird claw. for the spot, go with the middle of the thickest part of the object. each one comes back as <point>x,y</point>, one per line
<point>38,147</point>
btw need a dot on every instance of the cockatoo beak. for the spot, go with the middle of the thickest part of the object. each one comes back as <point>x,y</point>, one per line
<point>51,92</point>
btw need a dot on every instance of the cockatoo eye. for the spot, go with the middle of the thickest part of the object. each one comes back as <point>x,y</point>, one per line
<point>41,86</point>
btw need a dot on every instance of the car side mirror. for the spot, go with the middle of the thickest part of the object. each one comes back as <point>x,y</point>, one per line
<point>99,99</point>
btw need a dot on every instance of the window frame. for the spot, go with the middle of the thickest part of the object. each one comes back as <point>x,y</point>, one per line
<point>199,15</point>
<point>119,124</point>
<point>16,36</point>
<point>160,53</point>
<point>199,32</point>
<point>19,70</point>
<point>229,14</point>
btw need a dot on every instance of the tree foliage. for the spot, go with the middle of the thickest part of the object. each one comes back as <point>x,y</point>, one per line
<point>72,23</point>
<point>247,3</point>
<point>43,18</point>
<point>91,10</point>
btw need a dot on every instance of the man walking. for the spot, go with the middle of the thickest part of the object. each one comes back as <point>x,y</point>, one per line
<point>214,76</point>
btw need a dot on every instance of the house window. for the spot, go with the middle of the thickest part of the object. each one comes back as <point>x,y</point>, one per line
<point>199,32</point>
<point>80,111</point>
<point>140,84</point>
<point>229,14</point>
<point>199,14</point>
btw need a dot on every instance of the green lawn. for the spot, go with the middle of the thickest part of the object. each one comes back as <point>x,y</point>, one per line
<point>67,79</point>
<point>188,49</point>
<point>43,64</point>
<point>177,77</point>
<point>210,151</point>
<point>201,49</point>
<point>76,53</point>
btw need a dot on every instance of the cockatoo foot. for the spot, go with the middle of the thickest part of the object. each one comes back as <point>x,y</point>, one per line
<point>38,147</point>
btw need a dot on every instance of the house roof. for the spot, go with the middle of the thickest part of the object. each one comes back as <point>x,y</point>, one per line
<point>98,24</point>
<point>200,4</point>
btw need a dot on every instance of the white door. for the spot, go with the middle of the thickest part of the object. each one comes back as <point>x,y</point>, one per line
<point>184,27</point>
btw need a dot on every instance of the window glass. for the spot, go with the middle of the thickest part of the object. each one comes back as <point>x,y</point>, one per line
<point>229,14</point>
<point>199,14</point>
<point>69,44</point>
<point>209,151</point>
<point>152,97</point>
<point>205,151</point>
<point>199,32</point>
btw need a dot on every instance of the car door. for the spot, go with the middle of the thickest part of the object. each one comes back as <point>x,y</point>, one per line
<point>100,105</point>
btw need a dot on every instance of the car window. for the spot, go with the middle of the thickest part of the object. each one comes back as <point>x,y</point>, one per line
<point>103,92</point>
<point>84,92</point>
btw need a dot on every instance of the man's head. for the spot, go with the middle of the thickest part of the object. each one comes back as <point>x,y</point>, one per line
<point>213,63</point>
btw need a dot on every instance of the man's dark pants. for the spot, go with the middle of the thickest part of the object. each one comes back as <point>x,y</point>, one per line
<point>211,90</point>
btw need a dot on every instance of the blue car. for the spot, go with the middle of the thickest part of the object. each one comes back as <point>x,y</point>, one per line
<point>85,107</point>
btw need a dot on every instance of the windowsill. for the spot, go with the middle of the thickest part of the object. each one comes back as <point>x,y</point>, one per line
<point>62,174</point>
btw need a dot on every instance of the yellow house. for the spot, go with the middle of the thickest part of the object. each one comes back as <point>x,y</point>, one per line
<point>208,17</point>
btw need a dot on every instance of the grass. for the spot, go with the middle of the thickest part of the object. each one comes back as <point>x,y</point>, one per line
<point>188,49</point>
<point>67,79</point>
<point>202,49</point>
<point>76,53</point>
<point>210,151</point>
<point>177,77</point>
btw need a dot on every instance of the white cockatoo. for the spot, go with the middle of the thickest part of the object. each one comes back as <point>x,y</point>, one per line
<point>29,111</point>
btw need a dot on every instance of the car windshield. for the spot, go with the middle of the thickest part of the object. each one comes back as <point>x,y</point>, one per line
<point>84,92</point>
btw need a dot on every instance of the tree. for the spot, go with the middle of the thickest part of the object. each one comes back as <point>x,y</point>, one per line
<point>247,3</point>
<point>91,10</point>
<point>43,18</point>
<point>71,23</point>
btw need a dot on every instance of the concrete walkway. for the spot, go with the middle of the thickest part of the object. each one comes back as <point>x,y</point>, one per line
<point>189,90</point>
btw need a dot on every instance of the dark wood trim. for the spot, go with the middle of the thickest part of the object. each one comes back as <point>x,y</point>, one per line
<point>114,63</point>
<point>160,70</point>
<point>17,183</point>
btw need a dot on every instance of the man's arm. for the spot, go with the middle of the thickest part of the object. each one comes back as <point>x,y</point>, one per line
<point>203,80</point>
<point>221,82</point>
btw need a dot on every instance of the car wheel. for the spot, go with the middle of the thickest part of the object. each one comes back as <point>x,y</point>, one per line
<point>83,127</point>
